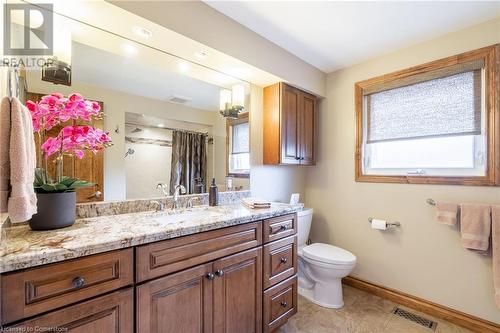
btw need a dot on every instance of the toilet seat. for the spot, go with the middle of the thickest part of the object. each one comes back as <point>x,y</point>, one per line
<point>328,254</point>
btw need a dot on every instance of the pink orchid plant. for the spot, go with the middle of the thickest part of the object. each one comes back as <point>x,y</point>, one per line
<point>54,110</point>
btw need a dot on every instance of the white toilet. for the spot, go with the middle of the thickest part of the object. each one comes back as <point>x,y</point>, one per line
<point>321,267</point>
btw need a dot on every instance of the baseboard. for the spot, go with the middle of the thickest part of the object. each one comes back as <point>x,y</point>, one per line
<point>456,317</point>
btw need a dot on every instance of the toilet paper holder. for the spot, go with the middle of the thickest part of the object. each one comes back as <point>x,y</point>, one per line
<point>389,224</point>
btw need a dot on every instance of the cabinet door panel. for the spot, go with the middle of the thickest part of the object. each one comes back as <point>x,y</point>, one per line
<point>180,302</point>
<point>307,113</point>
<point>110,313</point>
<point>238,293</point>
<point>290,125</point>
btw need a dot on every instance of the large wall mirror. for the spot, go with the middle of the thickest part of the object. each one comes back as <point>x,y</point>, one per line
<point>162,113</point>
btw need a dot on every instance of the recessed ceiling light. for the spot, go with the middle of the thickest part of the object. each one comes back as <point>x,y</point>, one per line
<point>129,49</point>
<point>161,125</point>
<point>183,66</point>
<point>142,32</point>
<point>201,55</point>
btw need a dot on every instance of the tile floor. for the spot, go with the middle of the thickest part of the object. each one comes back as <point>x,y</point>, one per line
<point>362,313</point>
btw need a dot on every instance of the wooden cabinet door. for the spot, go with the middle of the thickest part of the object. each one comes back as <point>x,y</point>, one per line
<point>290,118</point>
<point>111,313</point>
<point>306,132</point>
<point>89,168</point>
<point>180,302</point>
<point>238,293</point>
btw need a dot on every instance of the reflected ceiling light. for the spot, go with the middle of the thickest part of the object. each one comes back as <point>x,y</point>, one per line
<point>183,66</point>
<point>142,32</point>
<point>129,49</point>
<point>232,102</point>
<point>201,55</point>
<point>160,125</point>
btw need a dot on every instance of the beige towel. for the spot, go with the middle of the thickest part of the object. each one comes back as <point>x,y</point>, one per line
<point>446,212</point>
<point>4,153</point>
<point>22,201</point>
<point>475,225</point>
<point>495,240</point>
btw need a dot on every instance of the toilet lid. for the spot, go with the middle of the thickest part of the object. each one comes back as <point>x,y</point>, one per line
<point>328,254</point>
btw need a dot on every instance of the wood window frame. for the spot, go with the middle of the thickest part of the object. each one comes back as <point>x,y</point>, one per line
<point>242,118</point>
<point>491,57</point>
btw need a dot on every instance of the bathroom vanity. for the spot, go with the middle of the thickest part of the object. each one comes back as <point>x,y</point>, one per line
<point>220,269</point>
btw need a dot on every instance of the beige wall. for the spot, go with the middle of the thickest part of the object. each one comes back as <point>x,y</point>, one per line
<point>422,258</point>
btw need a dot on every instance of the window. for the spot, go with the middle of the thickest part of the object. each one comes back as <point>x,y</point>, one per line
<point>238,146</point>
<point>436,123</point>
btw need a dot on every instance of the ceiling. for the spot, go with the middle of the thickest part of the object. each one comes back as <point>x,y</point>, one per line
<point>134,76</point>
<point>334,34</point>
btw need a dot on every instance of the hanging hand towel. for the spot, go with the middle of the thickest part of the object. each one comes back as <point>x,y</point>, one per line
<point>475,225</point>
<point>495,240</point>
<point>22,201</point>
<point>446,212</point>
<point>4,153</point>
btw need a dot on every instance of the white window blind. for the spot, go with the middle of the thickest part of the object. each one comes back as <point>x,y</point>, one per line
<point>437,104</point>
<point>240,138</point>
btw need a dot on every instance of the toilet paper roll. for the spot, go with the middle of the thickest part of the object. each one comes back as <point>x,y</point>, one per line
<point>379,224</point>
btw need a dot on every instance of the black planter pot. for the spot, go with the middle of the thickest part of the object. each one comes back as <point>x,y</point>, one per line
<point>55,210</point>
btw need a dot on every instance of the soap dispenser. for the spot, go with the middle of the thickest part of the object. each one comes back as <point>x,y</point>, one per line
<point>213,195</point>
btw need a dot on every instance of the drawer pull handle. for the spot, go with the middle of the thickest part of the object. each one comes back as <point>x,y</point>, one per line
<point>219,272</point>
<point>284,260</point>
<point>210,276</point>
<point>78,282</point>
<point>284,304</point>
<point>283,227</point>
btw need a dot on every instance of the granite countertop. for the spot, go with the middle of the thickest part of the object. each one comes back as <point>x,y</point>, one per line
<point>20,247</point>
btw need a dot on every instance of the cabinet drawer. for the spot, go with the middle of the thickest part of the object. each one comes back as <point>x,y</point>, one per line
<point>280,260</point>
<point>36,290</point>
<point>111,313</point>
<point>280,227</point>
<point>172,255</point>
<point>280,303</point>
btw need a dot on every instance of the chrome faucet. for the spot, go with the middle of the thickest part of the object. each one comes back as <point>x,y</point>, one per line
<point>160,206</point>
<point>163,188</point>
<point>179,189</point>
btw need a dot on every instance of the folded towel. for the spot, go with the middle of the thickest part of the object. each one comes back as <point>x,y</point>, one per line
<point>475,225</point>
<point>4,153</point>
<point>22,201</point>
<point>495,240</point>
<point>255,203</point>
<point>447,212</point>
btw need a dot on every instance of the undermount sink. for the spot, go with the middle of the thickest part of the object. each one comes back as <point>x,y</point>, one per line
<point>186,214</point>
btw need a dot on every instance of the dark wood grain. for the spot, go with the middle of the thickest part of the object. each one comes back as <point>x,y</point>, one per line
<point>280,303</point>
<point>279,227</point>
<point>280,260</point>
<point>36,290</point>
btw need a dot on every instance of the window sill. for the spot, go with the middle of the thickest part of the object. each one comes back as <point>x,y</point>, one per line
<point>238,175</point>
<point>435,180</point>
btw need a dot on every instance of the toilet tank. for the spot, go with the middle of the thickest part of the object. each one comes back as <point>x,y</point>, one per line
<point>304,219</point>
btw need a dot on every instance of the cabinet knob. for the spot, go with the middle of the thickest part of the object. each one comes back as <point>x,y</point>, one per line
<point>284,260</point>
<point>283,227</point>
<point>210,276</point>
<point>284,304</point>
<point>78,282</point>
<point>219,272</point>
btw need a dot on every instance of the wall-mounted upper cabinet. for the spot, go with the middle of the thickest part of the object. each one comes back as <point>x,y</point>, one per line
<point>289,115</point>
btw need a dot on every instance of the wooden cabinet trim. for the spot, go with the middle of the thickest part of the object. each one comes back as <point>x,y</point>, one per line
<point>157,259</point>
<point>279,227</point>
<point>109,313</point>
<point>274,269</point>
<point>276,314</point>
<point>40,289</point>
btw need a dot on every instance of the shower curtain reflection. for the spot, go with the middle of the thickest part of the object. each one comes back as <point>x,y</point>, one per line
<point>189,159</point>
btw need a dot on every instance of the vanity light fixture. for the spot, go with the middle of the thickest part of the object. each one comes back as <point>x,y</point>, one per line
<point>142,32</point>
<point>232,102</point>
